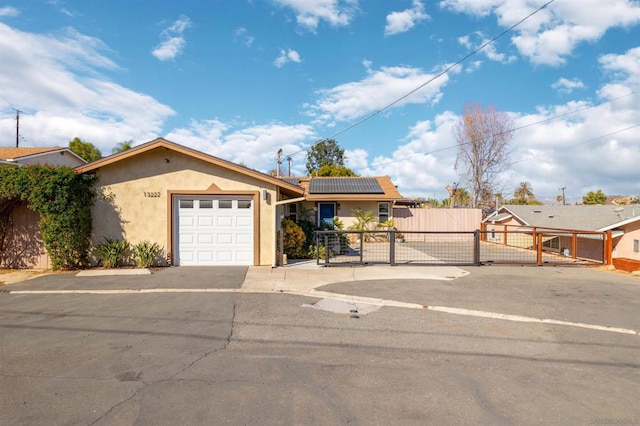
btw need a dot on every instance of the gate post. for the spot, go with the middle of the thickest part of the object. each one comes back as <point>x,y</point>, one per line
<point>539,249</point>
<point>326,250</point>
<point>476,247</point>
<point>392,248</point>
<point>608,249</point>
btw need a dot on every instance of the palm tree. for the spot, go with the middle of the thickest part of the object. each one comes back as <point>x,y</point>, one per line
<point>122,146</point>
<point>524,192</point>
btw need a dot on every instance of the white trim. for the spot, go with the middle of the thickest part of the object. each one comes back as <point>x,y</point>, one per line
<point>621,223</point>
<point>53,151</point>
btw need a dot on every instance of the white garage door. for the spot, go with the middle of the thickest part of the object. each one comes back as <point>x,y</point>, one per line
<point>214,230</point>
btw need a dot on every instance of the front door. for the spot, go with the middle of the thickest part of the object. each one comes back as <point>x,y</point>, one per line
<point>326,213</point>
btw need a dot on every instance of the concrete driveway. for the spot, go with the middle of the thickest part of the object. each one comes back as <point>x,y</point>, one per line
<point>247,347</point>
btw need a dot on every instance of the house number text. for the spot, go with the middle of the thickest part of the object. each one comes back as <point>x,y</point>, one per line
<point>152,194</point>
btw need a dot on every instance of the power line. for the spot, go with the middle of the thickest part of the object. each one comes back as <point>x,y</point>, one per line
<point>445,71</point>
<point>509,131</point>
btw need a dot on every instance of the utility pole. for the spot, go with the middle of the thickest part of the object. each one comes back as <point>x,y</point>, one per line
<point>563,200</point>
<point>278,161</point>
<point>17,126</point>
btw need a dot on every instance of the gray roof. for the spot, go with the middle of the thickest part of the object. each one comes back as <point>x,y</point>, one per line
<point>291,179</point>
<point>581,217</point>
<point>345,185</point>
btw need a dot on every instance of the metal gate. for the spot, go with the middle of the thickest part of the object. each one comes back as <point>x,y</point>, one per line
<point>518,247</point>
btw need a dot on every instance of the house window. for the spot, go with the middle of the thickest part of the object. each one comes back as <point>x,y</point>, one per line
<point>383,212</point>
<point>636,246</point>
<point>225,204</point>
<point>293,212</point>
<point>206,204</point>
<point>244,204</point>
<point>186,204</point>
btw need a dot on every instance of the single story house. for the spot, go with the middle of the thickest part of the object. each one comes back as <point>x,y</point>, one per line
<point>54,156</point>
<point>329,197</point>
<point>208,211</point>
<point>622,221</point>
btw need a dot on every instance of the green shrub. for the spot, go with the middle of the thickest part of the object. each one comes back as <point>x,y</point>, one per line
<point>112,252</point>
<point>317,251</point>
<point>146,254</point>
<point>294,239</point>
<point>63,199</point>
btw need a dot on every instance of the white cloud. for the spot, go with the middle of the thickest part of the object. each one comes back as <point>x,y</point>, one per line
<point>9,11</point>
<point>254,146</point>
<point>564,85</point>
<point>57,81</point>
<point>400,22</point>
<point>553,33</point>
<point>423,165</point>
<point>489,50</point>
<point>245,38</point>
<point>309,13</point>
<point>376,91</point>
<point>287,56</point>
<point>173,42</point>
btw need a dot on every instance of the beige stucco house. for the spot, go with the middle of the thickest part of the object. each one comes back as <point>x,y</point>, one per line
<point>201,209</point>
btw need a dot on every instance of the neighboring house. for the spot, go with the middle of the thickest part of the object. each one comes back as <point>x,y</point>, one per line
<point>54,156</point>
<point>24,246</point>
<point>622,221</point>
<point>329,197</point>
<point>201,209</point>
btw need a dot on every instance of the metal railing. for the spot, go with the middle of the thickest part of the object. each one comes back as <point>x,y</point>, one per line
<point>522,247</point>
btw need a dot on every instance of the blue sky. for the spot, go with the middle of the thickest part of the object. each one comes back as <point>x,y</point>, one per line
<point>240,79</point>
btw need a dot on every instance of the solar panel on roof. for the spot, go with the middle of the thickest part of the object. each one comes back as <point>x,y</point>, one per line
<point>345,186</point>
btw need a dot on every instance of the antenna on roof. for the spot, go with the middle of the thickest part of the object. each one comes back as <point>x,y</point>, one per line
<point>289,169</point>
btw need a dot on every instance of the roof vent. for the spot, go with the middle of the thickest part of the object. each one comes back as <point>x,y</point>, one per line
<point>618,209</point>
<point>537,211</point>
<point>551,216</point>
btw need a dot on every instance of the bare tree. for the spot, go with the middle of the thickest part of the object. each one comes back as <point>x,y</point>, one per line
<point>483,138</point>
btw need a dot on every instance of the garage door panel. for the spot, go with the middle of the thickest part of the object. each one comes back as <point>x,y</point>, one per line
<point>224,221</point>
<point>211,231</point>
<point>226,238</point>
<point>244,221</point>
<point>244,238</point>
<point>205,238</point>
<point>205,221</point>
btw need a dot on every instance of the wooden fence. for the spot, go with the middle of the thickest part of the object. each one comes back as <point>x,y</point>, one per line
<point>437,220</point>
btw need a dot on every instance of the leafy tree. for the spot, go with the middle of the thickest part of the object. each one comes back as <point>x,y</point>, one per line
<point>332,170</point>
<point>597,197</point>
<point>524,193</point>
<point>559,199</point>
<point>85,150</point>
<point>483,137</point>
<point>122,146</point>
<point>324,153</point>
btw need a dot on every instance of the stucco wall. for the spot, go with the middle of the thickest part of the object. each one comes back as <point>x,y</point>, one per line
<point>129,207</point>
<point>54,159</point>
<point>624,247</point>
<point>344,210</point>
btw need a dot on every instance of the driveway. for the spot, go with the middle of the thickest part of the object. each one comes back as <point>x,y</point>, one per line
<point>221,355</point>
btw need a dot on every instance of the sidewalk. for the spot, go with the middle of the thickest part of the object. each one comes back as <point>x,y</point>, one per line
<point>306,276</point>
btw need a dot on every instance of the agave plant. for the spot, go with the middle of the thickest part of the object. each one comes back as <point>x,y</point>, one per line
<point>112,252</point>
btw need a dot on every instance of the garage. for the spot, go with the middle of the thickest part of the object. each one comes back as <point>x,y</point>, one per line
<point>214,230</point>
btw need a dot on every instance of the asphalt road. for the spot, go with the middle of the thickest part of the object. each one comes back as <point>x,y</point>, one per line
<point>242,358</point>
